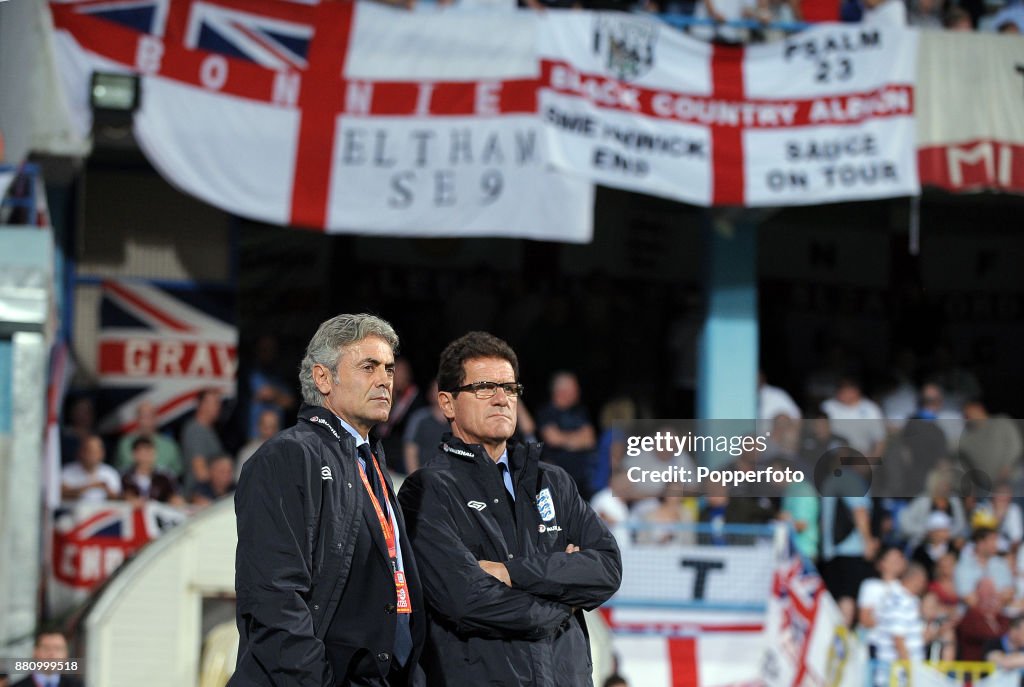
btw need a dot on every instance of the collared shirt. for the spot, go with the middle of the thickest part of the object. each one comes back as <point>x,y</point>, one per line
<point>360,440</point>
<point>969,571</point>
<point>507,474</point>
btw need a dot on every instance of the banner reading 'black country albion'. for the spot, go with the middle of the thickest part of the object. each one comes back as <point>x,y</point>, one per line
<point>826,115</point>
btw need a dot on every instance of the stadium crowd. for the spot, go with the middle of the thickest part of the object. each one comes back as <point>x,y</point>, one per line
<point>710,19</point>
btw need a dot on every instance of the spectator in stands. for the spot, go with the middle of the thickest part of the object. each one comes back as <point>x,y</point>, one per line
<point>902,634</point>
<point>890,565</point>
<point>848,544</point>
<point>940,628</point>
<point>199,441</point>
<point>918,449</point>
<point>424,430</point>
<point>221,482</point>
<point>611,446</point>
<point>914,519</point>
<point>816,440</point>
<point>982,622</point>
<point>772,12</point>
<point>1007,516</point>
<point>773,401</point>
<point>800,508</point>
<point>937,543</point>
<point>982,562</point>
<point>269,425</point>
<point>407,400</point>
<point>90,479</point>
<point>990,443</point>
<point>713,514</point>
<point>1010,19</point>
<point>144,480</point>
<point>783,440</point>
<point>752,504</point>
<point>609,504</point>
<point>615,681</point>
<point>568,435</point>
<point>1007,652</point>
<point>50,646</point>
<point>81,424</point>
<point>719,12</point>
<point>854,417</point>
<point>168,457</point>
<point>933,407</point>
<point>661,519</point>
<point>268,392</point>
<point>943,585</point>
<point>958,19</point>
<point>941,608</point>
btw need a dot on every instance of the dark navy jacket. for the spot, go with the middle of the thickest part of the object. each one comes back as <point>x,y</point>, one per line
<point>301,509</point>
<point>482,632</point>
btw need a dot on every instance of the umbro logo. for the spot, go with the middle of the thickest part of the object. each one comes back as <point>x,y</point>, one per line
<point>325,473</point>
<point>477,505</point>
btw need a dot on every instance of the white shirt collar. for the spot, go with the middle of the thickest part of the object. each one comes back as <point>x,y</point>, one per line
<point>360,440</point>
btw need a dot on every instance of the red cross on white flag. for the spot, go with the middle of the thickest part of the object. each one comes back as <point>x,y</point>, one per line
<point>337,116</point>
<point>826,115</point>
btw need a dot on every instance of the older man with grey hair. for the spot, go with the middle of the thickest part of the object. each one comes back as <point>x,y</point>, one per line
<point>328,592</point>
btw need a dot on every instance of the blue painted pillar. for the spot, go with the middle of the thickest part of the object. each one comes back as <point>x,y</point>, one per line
<point>727,353</point>
<point>6,384</point>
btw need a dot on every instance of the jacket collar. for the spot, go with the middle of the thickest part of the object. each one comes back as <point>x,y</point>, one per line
<point>519,455</point>
<point>324,418</point>
<point>318,415</point>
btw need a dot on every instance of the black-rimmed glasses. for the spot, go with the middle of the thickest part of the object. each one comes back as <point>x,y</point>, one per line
<point>485,390</point>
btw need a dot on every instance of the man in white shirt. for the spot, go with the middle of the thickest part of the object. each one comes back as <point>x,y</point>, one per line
<point>856,418</point>
<point>891,564</point>
<point>980,562</point>
<point>901,629</point>
<point>90,479</point>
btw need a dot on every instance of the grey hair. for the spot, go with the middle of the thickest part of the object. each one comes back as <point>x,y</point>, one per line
<point>333,335</point>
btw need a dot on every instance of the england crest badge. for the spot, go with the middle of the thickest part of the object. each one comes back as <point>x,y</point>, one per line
<point>546,505</point>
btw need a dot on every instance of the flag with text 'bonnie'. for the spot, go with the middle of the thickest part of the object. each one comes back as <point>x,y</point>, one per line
<point>337,116</point>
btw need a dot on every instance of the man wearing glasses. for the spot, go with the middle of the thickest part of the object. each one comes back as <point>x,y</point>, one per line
<point>509,554</point>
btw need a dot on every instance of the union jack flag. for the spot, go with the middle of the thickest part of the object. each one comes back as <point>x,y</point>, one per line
<point>145,16</point>
<point>268,41</point>
<point>90,541</point>
<point>797,585</point>
<point>157,347</point>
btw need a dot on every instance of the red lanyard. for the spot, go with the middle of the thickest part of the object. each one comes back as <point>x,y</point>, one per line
<point>404,604</point>
<point>385,521</point>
